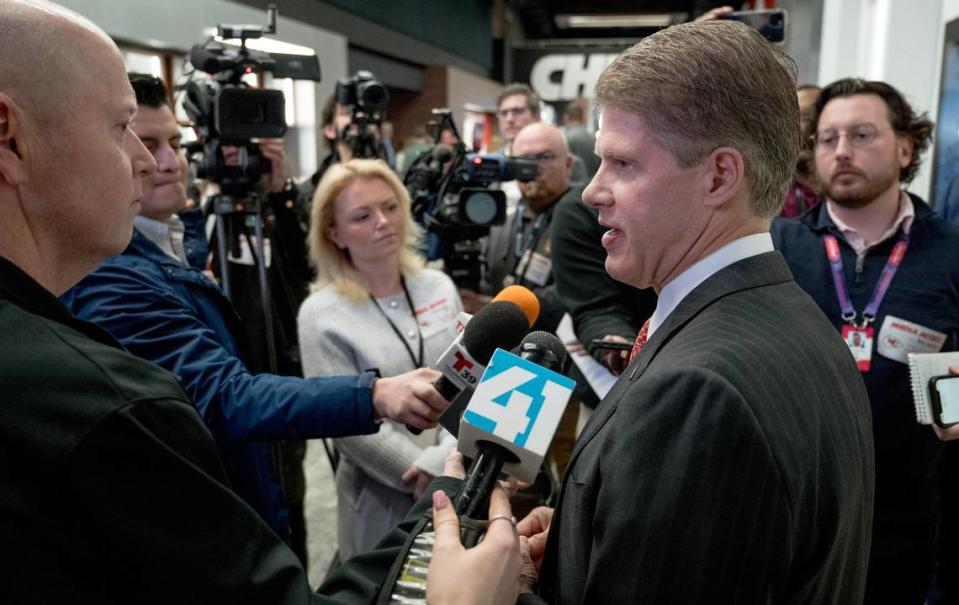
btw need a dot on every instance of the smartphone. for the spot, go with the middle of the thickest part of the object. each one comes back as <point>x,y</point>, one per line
<point>945,400</point>
<point>771,23</point>
<point>599,343</point>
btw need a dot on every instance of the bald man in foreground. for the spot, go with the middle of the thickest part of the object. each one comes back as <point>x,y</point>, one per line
<point>111,489</point>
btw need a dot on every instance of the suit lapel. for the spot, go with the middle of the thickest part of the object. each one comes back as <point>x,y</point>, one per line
<point>753,272</point>
<point>757,271</point>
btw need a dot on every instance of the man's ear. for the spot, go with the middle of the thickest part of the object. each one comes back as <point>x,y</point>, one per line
<point>905,150</point>
<point>12,168</point>
<point>724,173</point>
<point>329,131</point>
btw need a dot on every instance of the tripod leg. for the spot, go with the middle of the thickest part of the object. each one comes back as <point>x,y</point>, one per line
<point>222,253</point>
<point>265,298</point>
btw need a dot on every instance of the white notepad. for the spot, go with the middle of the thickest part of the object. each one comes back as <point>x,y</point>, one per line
<point>922,367</point>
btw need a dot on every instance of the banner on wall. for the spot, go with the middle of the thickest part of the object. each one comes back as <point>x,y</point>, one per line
<point>561,73</point>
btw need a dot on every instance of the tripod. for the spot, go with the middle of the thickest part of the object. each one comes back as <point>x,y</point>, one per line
<point>234,217</point>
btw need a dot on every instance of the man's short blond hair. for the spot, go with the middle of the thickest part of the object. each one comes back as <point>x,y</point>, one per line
<point>701,86</point>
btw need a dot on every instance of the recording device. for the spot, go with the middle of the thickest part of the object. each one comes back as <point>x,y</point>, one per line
<point>363,92</point>
<point>500,324</point>
<point>228,112</point>
<point>944,393</point>
<point>599,343</point>
<point>453,199</point>
<point>517,405</point>
<point>367,98</point>
<point>771,24</point>
<point>513,438</point>
<point>230,118</point>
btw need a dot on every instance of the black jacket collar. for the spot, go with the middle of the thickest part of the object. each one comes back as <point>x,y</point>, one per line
<point>25,292</point>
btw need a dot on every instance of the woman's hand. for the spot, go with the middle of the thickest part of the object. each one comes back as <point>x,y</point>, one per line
<point>418,478</point>
<point>486,574</point>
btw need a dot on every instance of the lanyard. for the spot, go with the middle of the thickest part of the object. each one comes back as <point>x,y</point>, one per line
<point>882,286</point>
<point>528,242</point>
<point>417,361</point>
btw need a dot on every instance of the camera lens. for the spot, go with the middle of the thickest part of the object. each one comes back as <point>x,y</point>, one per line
<point>480,208</point>
<point>372,95</point>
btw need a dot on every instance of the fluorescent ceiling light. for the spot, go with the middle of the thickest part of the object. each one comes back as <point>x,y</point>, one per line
<point>634,20</point>
<point>271,45</point>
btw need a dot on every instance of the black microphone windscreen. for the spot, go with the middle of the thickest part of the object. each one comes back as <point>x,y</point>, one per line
<point>442,153</point>
<point>549,342</point>
<point>500,324</point>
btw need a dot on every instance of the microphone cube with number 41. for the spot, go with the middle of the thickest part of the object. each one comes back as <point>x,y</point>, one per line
<point>517,405</point>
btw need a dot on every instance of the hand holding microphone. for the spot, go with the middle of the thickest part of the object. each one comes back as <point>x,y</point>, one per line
<point>409,398</point>
<point>533,531</point>
<point>500,324</point>
<point>486,574</point>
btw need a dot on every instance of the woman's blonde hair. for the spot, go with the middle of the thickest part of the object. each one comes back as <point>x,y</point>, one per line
<point>333,265</point>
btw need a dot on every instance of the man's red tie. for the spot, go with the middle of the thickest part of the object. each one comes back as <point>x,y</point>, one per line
<point>640,341</point>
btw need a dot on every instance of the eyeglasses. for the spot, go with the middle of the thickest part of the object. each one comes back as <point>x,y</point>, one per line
<point>859,135</point>
<point>541,158</point>
<point>516,111</point>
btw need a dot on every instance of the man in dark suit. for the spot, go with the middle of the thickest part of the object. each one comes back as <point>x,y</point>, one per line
<point>733,460</point>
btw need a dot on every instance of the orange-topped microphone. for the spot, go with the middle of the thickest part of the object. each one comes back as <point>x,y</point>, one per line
<point>501,324</point>
<point>522,298</point>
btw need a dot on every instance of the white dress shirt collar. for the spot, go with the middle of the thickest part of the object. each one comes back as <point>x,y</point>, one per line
<point>904,217</point>
<point>163,234</point>
<point>675,291</point>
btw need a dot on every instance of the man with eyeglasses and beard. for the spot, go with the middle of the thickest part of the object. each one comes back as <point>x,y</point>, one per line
<point>882,265</point>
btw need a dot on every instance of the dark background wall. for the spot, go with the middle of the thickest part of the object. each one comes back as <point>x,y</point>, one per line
<point>461,27</point>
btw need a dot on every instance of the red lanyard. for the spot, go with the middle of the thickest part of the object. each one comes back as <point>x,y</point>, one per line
<point>878,293</point>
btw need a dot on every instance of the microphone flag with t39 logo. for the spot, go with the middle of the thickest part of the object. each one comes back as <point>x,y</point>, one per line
<point>517,406</point>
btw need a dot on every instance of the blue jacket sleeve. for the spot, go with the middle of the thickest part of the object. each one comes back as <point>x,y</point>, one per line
<point>179,324</point>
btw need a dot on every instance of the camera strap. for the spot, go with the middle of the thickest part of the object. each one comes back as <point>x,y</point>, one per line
<point>417,360</point>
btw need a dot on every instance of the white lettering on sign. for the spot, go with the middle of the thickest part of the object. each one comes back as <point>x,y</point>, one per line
<point>577,74</point>
<point>512,419</point>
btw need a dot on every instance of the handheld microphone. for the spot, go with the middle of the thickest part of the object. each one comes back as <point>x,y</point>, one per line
<point>500,324</point>
<point>441,154</point>
<point>511,418</point>
<point>406,582</point>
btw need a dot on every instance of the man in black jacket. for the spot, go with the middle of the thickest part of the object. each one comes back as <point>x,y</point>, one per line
<point>519,251</point>
<point>111,489</point>
<point>867,145</point>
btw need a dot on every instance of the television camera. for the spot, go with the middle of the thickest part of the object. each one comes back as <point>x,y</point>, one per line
<point>367,98</point>
<point>453,199</point>
<point>230,118</point>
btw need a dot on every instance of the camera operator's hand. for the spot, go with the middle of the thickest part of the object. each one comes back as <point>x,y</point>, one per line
<point>272,150</point>
<point>409,398</point>
<point>473,301</point>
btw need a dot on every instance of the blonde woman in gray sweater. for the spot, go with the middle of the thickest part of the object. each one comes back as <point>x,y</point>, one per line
<point>373,306</point>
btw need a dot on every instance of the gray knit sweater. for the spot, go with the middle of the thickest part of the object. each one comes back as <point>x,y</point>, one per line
<point>345,336</point>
